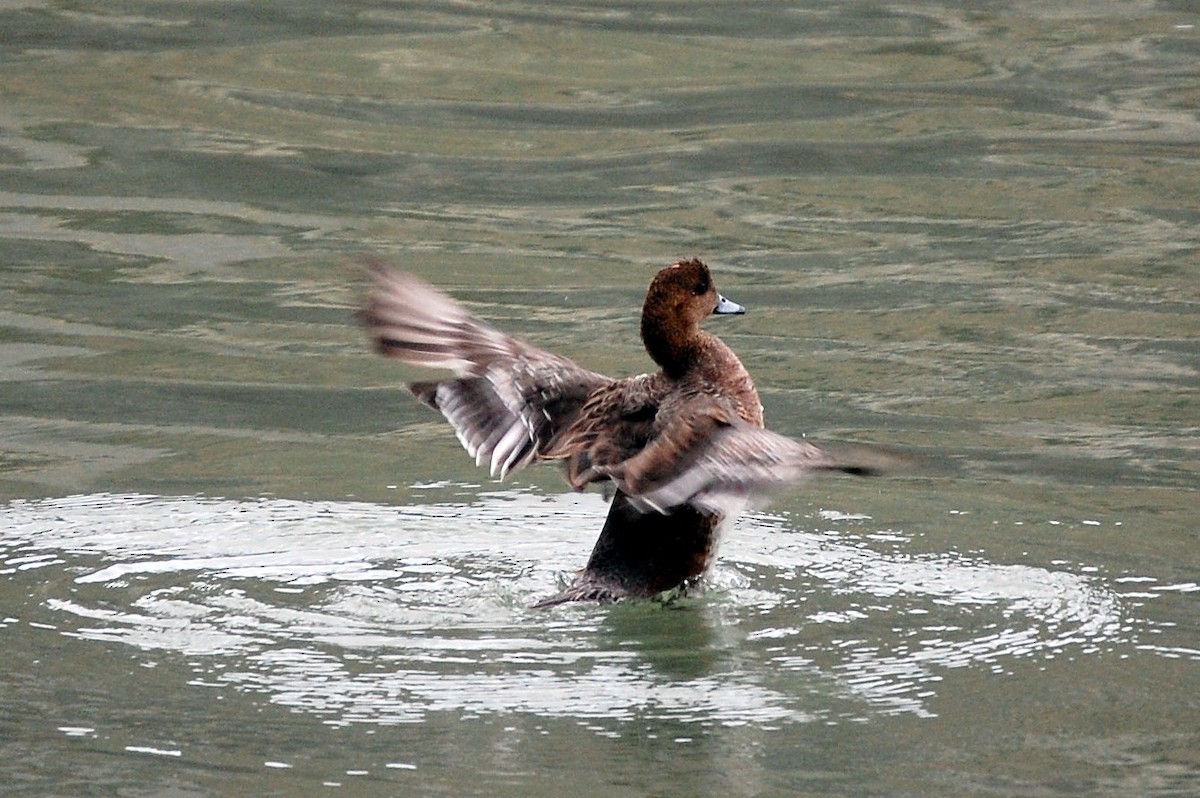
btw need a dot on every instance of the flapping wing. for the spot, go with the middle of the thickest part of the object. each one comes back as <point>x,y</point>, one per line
<point>709,458</point>
<point>508,398</point>
<point>412,321</point>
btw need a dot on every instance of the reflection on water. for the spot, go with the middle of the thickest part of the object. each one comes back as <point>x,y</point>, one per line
<point>361,613</point>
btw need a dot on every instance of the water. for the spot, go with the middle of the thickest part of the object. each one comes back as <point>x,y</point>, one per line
<point>235,559</point>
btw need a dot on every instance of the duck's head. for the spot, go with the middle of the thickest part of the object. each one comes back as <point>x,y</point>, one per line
<point>680,297</point>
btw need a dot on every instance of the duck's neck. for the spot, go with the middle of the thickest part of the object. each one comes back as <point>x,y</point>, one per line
<point>671,343</point>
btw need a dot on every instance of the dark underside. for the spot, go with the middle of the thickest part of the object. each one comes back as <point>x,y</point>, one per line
<point>642,554</point>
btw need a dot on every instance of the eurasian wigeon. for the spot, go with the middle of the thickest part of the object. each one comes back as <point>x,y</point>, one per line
<point>683,447</point>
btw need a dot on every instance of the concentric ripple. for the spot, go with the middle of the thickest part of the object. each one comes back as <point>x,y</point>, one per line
<point>365,613</point>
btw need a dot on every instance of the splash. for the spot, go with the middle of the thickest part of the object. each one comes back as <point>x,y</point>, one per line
<point>366,613</point>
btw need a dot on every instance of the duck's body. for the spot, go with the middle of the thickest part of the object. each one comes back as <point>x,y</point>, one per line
<point>682,445</point>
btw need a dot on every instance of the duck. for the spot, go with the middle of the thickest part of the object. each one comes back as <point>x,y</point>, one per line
<point>680,451</point>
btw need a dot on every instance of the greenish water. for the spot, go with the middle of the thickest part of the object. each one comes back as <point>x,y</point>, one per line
<point>235,559</point>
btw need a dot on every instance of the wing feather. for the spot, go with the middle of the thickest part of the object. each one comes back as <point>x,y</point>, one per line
<point>508,399</point>
<point>712,459</point>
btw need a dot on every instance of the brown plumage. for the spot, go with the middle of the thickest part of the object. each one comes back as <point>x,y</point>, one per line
<point>684,446</point>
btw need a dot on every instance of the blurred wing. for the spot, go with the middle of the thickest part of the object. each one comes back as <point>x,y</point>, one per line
<point>410,320</point>
<point>739,462</point>
<point>509,399</point>
<point>712,460</point>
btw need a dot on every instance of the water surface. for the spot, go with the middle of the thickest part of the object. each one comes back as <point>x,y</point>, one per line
<point>236,559</point>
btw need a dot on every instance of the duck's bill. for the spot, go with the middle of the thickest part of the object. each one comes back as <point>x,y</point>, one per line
<point>725,306</point>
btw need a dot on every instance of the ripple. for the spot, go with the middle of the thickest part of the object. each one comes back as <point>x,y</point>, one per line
<point>365,613</point>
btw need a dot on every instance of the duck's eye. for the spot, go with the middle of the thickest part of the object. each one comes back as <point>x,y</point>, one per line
<point>701,288</point>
